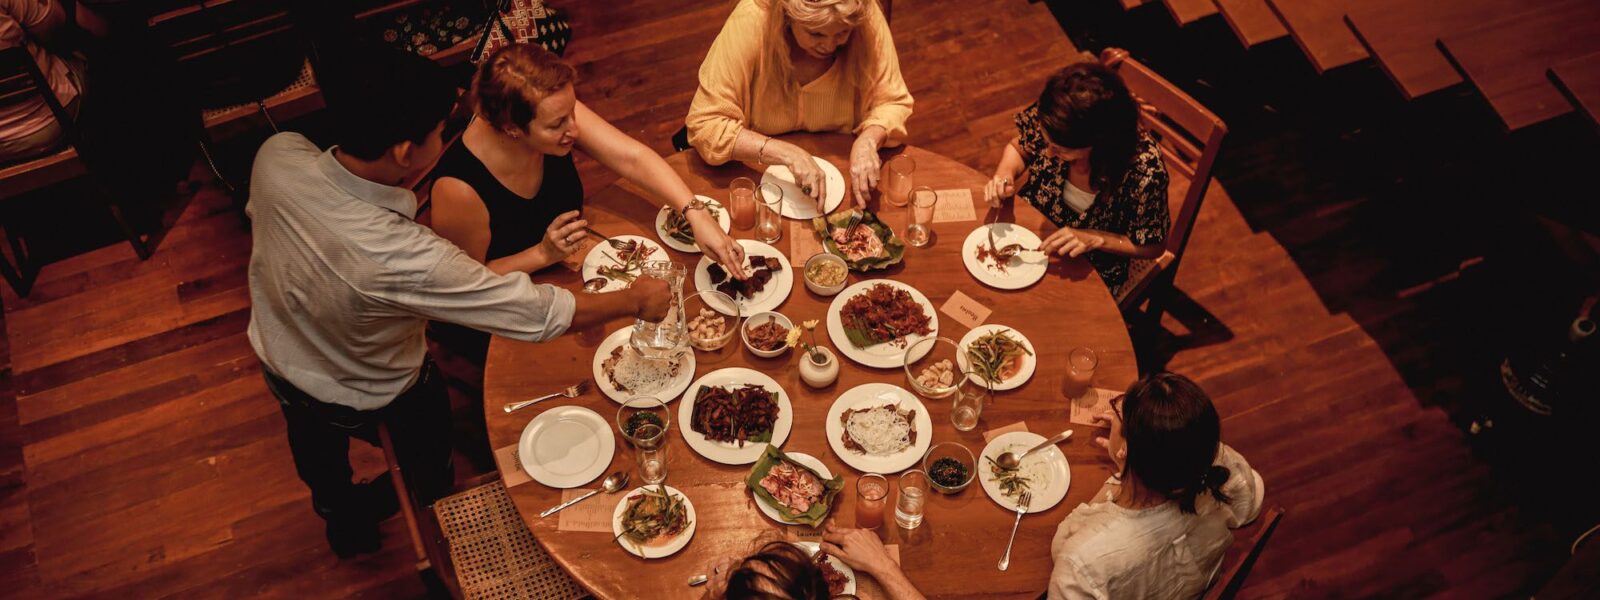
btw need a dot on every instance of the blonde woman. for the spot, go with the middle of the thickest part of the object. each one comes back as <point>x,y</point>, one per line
<point>801,65</point>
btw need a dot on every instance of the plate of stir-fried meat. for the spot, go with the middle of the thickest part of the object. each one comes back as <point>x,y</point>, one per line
<point>730,415</point>
<point>874,321</point>
<point>793,488</point>
<point>768,283</point>
<point>840,577</point>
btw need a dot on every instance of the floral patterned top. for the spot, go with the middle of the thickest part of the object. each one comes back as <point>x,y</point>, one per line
<point>1135,207</point>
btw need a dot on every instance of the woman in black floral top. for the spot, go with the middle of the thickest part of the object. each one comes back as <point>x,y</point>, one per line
<point>1081,159</point>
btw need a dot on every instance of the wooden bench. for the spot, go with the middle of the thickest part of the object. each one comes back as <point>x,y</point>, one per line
<point>1402,37</point>
<point>1252,20</point>
<point>1579,80</point>
<point>1318,27</point>
<point>1508,60</point>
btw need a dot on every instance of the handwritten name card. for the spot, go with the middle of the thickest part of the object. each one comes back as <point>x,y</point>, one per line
<point>965,310</point>
<point>512,473</point>
<point>953,206</point>
<point>593,514</point>
<point>803,243</point>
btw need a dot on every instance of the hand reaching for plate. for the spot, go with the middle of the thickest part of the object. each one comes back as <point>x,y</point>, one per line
<point>807,175</point>
<point>717,244</point>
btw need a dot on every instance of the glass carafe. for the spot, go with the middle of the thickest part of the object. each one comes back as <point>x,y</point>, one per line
<point>669,336</point>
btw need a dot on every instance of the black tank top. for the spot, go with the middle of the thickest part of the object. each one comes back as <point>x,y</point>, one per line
<point>515,224</point>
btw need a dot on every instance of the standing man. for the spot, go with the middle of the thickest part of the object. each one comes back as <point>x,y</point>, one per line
<point>343,281</point>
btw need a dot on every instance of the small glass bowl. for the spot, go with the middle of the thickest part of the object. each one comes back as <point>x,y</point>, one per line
<point>940,352</point>
<point>954,451</point>
<point>710,306</point>
<point>759,319</point>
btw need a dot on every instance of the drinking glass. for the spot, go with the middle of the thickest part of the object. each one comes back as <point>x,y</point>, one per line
<point>871,489</point>
<point>665,338</point>
<point>1080,373</point>
<point>913,493</point>
<point>896,181</point>
<point>769,214</point>
<point>742,203</point>
<point>970,397</point>
<point>918,232</point>
<point>649,419</point>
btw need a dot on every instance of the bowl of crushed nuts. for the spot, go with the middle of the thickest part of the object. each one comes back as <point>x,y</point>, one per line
<point>712,320</point>
<point>934,375</point>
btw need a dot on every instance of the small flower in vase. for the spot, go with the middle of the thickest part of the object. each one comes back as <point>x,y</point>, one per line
<point>812,350</point>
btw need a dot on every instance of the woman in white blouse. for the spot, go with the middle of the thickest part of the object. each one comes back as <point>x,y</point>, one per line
<point>1157,529</point>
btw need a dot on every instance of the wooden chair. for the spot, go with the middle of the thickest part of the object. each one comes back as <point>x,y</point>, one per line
<point>20,79</point>
<point>1189,137</point>
<point>1234,568</point>
<point>246,61</point>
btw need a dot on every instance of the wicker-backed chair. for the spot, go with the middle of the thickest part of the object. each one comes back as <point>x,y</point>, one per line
<point>493,554</point>
<point>1189,136</point>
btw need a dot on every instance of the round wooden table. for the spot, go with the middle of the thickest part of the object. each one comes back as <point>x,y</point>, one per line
<point>954,553</point>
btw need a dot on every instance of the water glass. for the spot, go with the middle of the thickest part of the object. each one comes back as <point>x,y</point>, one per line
<point>1080,373</point>
<point>918,229</point>
<point>913,494</point>
<point>871,489</point>
<point>896,181</point>
<point>970,397</point>
<point>769,214</point>
<point>742,203</point>
<point>644,421</point>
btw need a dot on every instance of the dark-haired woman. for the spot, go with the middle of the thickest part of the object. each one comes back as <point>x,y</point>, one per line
<point>1159,527</point>
<point>782,571</point>
<point>1082,160</point>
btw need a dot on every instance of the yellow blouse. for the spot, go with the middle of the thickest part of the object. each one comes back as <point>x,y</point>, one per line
<point>729,80</point>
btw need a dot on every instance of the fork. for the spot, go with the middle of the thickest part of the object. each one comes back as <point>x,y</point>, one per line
<point>1022,509</point>
<point>615,243</point>
<point>572,391</point>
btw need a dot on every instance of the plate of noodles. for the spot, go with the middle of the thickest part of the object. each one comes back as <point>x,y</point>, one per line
<point>879,428</point>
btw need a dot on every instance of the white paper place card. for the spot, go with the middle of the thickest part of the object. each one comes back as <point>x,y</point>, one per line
<point>954,205</point>
<point>803,243</point>
<point>990,435</point>
<point>512,473</point>
<point>965,310</point>
<point>593,514</point>
<point>1084,409</point>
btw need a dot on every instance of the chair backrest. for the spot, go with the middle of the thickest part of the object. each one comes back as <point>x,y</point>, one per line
<point>1188,133</point>
<point>232,51</point>
<point>20,79</point>
<point>1231,577</point>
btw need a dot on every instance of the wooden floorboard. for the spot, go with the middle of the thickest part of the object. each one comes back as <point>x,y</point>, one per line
<point>1318,27</point>
<point>1508,60</point>
<point>1579,81</point>
<point>1403,37</point>
<point>142,457</point>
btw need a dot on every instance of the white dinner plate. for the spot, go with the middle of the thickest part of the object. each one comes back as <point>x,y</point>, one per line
<point>1023,270</point>
<point>566,446</point>
<point>799,205</point>
<point>887,355</point>
<point>1048,468</point>
<point>731,453</point>
<point>769,298</point>
<point>723,220</point>
<point>868,395</point>
<point>657,550</point>
<point>1030,362</point>
<point>598,257</point>
<point>812,548</point>
<point>800,459</point>
<point>665,394</point>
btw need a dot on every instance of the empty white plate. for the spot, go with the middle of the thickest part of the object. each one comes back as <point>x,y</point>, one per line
<point>566,446</point>
<point>799,205</point>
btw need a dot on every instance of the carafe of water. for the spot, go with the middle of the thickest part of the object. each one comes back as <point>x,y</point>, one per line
<point>669,336</point>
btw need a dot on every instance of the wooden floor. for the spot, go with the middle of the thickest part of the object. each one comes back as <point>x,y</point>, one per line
<point>141,456</point>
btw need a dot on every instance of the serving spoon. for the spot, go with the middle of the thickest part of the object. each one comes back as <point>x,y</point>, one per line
<point>613,484</point>
<point>1010,462</point>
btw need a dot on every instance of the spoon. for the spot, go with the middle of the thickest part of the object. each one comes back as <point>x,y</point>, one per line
<point>1009,461</point>
<point>595,285</point>
<point>613,483</point>
<point>1009,250</point>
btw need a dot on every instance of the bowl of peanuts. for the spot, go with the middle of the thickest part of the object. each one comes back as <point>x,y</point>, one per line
<point>713,320</point>
<point>935,374</point>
